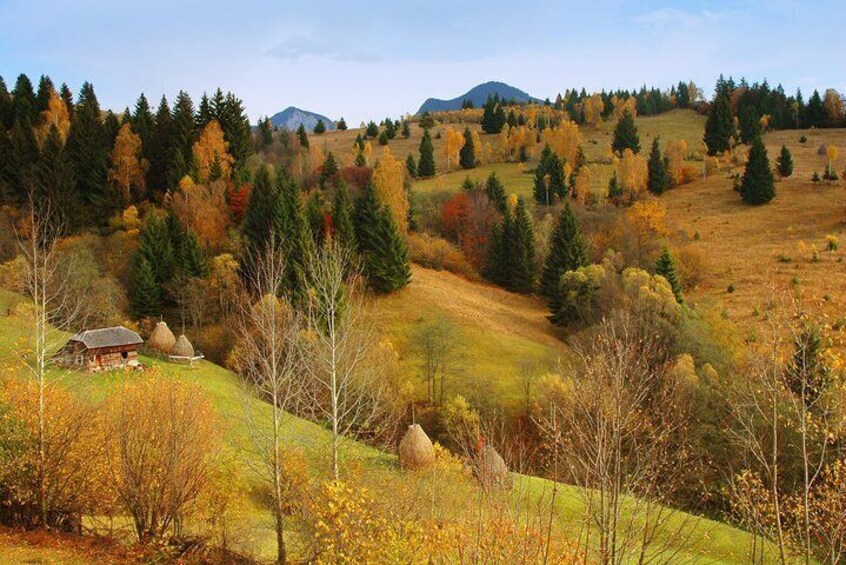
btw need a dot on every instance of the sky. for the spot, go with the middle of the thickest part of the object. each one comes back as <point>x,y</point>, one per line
<point>369,60</point>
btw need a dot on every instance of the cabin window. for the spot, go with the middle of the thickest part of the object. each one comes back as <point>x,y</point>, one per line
<point>124,355</point>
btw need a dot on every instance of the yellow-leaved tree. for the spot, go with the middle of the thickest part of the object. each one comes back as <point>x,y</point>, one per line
<point>592,109</point>
<point>388,180</point>
<point>128,168</point>
<point>453,142</point>
<point>211,154</point>
<point>57,115</point>
<point>676,152</point>
<point>632,172</point>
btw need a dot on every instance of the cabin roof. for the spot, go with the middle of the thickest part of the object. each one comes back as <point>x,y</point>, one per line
<point>107,337</point>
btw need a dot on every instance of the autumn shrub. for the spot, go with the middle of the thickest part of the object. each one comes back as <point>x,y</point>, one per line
<point>356,176</point>
<point>688,174</point>
<point>163,441</point>
<point>692,265</point>
<point>439,254</point>
<point>62,483</point>
<point>12,274</point>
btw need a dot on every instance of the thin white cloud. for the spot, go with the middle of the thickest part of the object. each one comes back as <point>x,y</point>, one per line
<point>671,17</point>
<point>301,47</point>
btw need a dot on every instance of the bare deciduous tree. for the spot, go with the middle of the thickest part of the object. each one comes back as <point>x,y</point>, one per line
<point>618,428</point>
<point>439,345</point>
<point>347,392</point>
<point>268,359</point>
<point>55,311</point>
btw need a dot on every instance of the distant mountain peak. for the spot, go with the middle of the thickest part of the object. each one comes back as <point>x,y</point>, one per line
<point>477,95</point>
<point>292,117</point>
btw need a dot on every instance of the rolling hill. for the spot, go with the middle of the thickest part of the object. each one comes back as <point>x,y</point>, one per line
<point>291,118</point>
<point>477,95</point>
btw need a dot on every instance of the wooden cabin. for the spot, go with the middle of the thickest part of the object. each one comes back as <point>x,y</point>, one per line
<point>101,350</point>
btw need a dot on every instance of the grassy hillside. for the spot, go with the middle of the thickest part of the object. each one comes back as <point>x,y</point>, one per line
<point>506,324</point>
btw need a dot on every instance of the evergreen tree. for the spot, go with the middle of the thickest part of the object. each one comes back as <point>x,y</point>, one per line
<point>567,252</point>
<point>493,115</point>
<point>815,112</point>
<point>146,295</point>
<point>205,113</point>
<point>260,215</point>
<point>23,96</point>
<point>406,130</point>
<point>426,164</point>
<point>383,250</point>
<point>342,219</point>
<point>511,262</point>
<point>342,125</point>
<point>372,129</point>
<point>390,129</point>
<point>7,107</point>
<point>192,258</point>
<point>549,178</point>
<point>142,124</point>
<point>750,126</point>
<point>757,185</point>
<point>160,149</point>
<point>54,181</point>
<point>329,169</point>
<point>302,137</point>
<point>719,128</point>
<point>784,163</point>
<point>682,96</point>
<point>22,156</point>
<point>383,138</point>
<point>625,135</point>
<point>291,229</point>
<point>615,191</point>
<point>657,181</point>
<point>45,91</point>
<point>495,191</point>
<point>155,245</point>
<point>88,146</point>
<point>7,173</point>
<point>67,98</point>
<point>411,166</point>
<point>319,127</point>
<point>467,154</point>
<point>233,119</point>
<point>666,267</point>
<point>182,139</point>
<point>265,132</point>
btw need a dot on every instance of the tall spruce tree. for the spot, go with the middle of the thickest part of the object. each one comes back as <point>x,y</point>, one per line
<point>21,158</point>
<point>784,163</point>
<point>146,294</point>
<point>183,135</point>
<point>342,219</point>
<point>292,230</point>
<point>265,132</point>
<point>261,211</point>
<point>88,146</point>
<point>7,193</point>
<point>54,182</point>
<point>758,184</point>
<point>549,178</point>
<point>155,245</point>
<point>302,136</point>
<point>567,252</point>
<point>329,170</point>
<point>523,271</point>
<point>426,164</point>
<point>233,119</point>
<point>658,180</point>
<point>666,267</point>
<point>25,103</point>
<point>467,154</point>
<point>7,106</point>
<point>495,191</point>
<point>383,251</point>
<point>45,92</point>
<point>192,258</point>
<point>625,135</point>
<point>719,128</point>
<point>67,98</point>
<point>160,149</point>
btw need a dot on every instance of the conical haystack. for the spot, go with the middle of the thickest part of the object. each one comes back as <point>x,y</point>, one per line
<point>491,468</point>
<point>416,450</point>
<point>182,348</point>
<point>162,339</point>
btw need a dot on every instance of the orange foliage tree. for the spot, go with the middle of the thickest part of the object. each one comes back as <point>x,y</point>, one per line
<point>389,181</point>
<point>56,114</point>
<point>127,174</point>
<point>453,142</point>
<point>203,209</point>
<point>676,152</point>
<point>211,154</point>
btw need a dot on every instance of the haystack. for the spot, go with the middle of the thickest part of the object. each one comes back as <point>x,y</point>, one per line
<point>182,348</point>
<point>162,339</point>
<point>416,450</point>
<point>491,469</point>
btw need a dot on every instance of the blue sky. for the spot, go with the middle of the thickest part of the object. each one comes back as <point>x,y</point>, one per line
<point>364,60</point>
